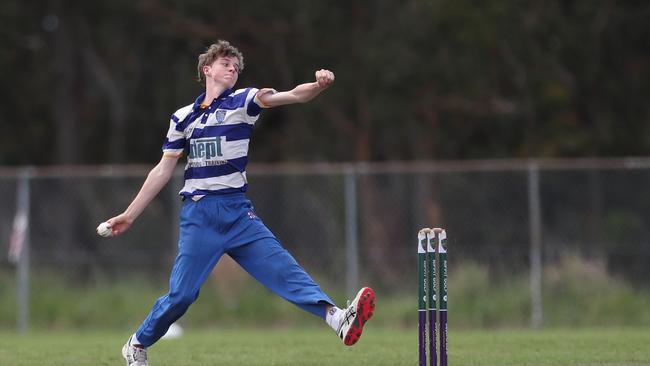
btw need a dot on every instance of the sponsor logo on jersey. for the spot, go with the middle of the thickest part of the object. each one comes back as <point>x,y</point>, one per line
<point>207,148</point>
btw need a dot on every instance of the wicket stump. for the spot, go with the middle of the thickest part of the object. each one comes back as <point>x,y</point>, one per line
<point>432,280</point>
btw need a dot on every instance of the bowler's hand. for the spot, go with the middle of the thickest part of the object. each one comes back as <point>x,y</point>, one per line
<point>120,224</point>
<point>324,78</point>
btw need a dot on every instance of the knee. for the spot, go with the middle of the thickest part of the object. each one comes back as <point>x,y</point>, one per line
<point>180,302</point>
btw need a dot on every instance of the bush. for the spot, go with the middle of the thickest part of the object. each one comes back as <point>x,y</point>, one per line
<point>576,293</point>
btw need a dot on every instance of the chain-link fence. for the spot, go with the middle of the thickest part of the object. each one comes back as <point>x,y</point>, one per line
<point>354,224</point>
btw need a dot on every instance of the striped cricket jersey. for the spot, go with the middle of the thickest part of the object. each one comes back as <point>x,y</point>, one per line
<point>215,140</point>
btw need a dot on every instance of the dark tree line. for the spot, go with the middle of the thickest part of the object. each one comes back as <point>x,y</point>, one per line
<point>96,81</point>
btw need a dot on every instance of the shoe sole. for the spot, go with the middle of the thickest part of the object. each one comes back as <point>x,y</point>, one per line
<point>365,309</point>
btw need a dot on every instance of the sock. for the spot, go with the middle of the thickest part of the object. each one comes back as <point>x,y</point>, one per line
<point>332,317</point>
<point>133,341</point>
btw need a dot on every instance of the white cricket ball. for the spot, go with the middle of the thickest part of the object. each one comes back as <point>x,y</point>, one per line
<point>104,229</point>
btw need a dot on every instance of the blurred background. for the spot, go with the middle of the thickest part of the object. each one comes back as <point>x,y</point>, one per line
<point>521,127</point>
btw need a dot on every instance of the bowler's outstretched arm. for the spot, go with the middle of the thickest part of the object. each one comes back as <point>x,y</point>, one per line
<point>156,180</point>
<point>302,93</point>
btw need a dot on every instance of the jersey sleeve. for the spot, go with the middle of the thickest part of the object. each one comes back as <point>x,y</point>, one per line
<point>175,140</point>
<point>253,109</point>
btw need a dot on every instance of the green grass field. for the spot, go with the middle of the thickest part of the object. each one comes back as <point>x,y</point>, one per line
<point>307,346</point>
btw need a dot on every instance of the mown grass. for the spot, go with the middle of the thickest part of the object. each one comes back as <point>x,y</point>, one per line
<point>590,319</point>
<point>319,346</point>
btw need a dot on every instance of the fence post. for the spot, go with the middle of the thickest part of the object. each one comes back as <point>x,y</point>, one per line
<point>22,275</point>
<point>351,231</point>
<point>535,217</point>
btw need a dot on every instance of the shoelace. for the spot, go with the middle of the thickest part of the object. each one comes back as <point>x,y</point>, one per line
<point>139,354</point>
<point>350,313</point>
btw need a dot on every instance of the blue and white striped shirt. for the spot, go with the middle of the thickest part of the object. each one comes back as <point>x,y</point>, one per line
<point>215,140</point>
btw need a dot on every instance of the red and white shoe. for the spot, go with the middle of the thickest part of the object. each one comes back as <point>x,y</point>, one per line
<point>353,319</point>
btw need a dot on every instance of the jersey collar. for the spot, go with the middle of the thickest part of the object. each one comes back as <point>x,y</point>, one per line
<point>199,99</point>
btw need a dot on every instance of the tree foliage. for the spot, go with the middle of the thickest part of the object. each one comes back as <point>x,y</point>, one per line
<point>96,82</point>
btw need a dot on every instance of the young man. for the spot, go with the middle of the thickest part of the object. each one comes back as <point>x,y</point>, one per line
<point>216,217</point>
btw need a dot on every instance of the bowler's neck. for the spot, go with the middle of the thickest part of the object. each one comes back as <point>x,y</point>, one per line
<point>213,91</point>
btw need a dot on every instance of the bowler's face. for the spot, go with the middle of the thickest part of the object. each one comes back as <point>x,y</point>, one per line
<point>224,70</point>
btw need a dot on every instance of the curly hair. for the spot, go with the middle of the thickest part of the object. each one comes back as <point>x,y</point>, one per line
<point>220,49</point>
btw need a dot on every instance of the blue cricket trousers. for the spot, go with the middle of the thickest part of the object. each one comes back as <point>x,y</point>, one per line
<point>218,224</point>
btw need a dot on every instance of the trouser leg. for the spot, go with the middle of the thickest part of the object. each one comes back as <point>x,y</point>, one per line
<point>198,254</point>
<point>272,265</point>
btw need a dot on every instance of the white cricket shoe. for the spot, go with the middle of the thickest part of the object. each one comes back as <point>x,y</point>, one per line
<point>134,356</point>
<point>353,319</point>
